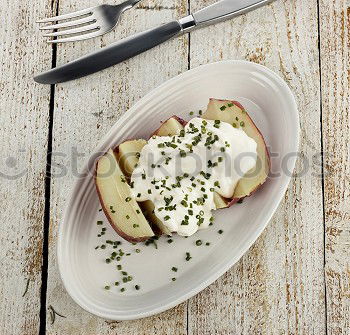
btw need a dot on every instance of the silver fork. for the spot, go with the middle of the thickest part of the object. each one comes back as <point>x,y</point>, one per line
<point>88,23</point>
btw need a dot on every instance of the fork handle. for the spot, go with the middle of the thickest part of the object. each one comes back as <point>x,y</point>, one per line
<point>111,55</point>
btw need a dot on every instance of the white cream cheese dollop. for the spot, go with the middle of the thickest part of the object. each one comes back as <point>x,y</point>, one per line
<point>180,173</point>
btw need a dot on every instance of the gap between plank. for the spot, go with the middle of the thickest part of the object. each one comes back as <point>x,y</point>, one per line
<point>46,228</point>
<point>188,67</point>
<point>322,165</point>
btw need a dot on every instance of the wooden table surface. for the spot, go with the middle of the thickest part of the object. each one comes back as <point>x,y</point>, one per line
<point>294,280</point>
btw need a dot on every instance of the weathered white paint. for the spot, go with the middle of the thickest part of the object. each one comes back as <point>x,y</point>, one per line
<point>278,286</point>
<point>84,111</point>
<point>335,66</point>
<point>24,110</point>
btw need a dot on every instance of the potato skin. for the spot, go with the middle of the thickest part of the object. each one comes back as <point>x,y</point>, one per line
<point>119,232</point>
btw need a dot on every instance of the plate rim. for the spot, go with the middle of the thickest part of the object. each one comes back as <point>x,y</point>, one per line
<point>248,243</point>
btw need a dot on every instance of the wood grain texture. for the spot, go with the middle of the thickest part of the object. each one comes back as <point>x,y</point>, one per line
<point>335,66</point>
<point>278,286</point>
<point>84,111</point>
<point>24,109</point>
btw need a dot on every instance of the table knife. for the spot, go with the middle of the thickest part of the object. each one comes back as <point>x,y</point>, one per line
<point>126,48</point>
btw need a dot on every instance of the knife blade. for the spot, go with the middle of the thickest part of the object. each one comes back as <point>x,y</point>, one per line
<point>129,47</point>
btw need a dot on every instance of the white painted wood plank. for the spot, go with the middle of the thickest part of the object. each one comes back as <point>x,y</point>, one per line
<point>84,111</point>
<point>24,110</point>
<point>335,66</point>
<point>278,286</point>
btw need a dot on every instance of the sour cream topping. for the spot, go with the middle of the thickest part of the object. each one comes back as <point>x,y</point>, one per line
<point>180,173</point>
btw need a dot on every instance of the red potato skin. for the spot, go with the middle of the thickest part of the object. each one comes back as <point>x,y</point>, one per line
<point>119,232</point>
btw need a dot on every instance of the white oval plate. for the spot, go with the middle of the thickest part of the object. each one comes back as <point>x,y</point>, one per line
<point>83,269</point>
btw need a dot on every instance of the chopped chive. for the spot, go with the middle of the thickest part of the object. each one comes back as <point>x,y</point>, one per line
<point>173,279</point>
<point>107,287</point>
<point>220,231</point>
<point>137,287</point>
<point>122,289</point>
<point>99,223</point>
<point>174,269</point>
<point>198,243</point>
<point>170,241</point>
<point>188,256</point>
<point>138,251</point>
<point>116,283</point>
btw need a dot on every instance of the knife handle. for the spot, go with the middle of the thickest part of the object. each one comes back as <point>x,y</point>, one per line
<point>142,42</point>
<point>111,55</point>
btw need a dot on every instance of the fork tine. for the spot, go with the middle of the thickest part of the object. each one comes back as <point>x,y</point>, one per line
<point>72,31</point>
<point>67,16</point>
<point>78,38</point>
<point>68,24</point>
